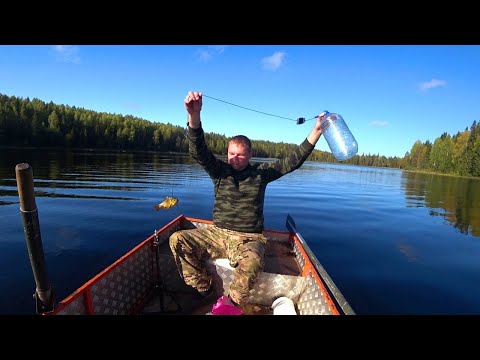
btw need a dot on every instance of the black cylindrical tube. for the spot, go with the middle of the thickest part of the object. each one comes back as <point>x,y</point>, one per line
<point>31,228</point>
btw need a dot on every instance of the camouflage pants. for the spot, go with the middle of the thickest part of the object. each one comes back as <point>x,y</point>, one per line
<point>245,252</point>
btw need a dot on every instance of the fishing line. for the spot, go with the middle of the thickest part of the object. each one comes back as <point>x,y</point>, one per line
<point>299,121</point>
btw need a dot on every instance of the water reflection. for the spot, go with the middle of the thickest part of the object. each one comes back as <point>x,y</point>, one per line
<point>455,199</point>
<point>93,174</point>
<point>379,233</point>
<point>104,174</point>
<point>410,252</point>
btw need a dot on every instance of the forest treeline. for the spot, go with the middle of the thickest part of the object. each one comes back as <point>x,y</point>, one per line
<point>25,122</point>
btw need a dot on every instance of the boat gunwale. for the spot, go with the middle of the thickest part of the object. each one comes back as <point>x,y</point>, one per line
<point>86,287</point>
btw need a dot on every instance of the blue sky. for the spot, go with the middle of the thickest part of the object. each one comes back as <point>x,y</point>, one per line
<point>389,95</point>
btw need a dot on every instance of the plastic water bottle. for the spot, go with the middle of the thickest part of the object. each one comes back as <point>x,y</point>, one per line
<point>339,138</point>
<point>283,306</point>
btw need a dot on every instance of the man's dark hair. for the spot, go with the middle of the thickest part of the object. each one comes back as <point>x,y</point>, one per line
<point>242,139</point>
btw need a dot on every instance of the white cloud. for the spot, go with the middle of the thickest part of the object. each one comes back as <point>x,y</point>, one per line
<point>378,123</point>
<point>274,61</point>
<point>427,85</point>
<point>204,55</point>
<point>67,53</point>
<point>209,52</point>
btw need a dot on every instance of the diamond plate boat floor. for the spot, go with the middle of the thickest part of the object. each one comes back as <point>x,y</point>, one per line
<point>281,269</point>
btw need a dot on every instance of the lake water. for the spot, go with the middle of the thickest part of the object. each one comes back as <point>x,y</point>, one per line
<point>393,242</point>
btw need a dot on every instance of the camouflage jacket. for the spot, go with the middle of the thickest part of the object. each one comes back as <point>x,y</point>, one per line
<point>239,195</point>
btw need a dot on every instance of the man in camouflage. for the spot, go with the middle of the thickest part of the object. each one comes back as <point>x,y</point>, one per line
<point>239,189</point>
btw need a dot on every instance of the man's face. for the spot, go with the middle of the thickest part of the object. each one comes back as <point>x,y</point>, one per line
<point>238,156</point>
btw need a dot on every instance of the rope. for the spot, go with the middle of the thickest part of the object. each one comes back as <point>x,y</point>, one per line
<point>298,121</point>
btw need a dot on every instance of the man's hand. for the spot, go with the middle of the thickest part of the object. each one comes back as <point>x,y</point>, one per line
<point>318,123</point>
<point>193,102</point>
<point>316,131</point>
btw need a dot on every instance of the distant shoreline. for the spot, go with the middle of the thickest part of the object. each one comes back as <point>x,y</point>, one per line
<point>442,174</point>
<point>29,147</point>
